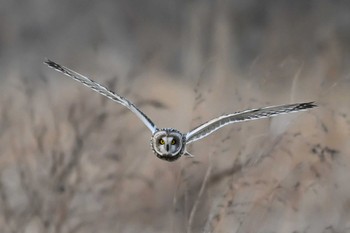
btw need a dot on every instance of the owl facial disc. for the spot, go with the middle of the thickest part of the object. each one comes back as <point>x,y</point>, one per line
<point>168,144</point>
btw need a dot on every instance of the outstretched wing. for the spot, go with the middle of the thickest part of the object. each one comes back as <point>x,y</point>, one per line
<point>103,91</point>
<point>253,114</point>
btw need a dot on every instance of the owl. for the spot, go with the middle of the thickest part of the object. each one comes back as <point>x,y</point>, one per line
<point>170,144</point>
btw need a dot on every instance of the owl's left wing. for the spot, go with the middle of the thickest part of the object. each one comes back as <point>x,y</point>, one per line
<point>104,91</point>
<point>253,114</point>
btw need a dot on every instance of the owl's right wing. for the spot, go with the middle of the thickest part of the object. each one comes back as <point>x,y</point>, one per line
<point>103,91</point>
<point>253,114</point>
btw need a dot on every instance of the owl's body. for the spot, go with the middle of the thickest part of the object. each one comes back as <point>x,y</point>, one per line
<point>170,144</point>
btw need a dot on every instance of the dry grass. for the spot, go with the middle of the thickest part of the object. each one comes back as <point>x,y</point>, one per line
<point>72,161</point>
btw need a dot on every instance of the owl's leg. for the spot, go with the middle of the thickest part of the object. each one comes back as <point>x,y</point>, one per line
<point>188,154</point>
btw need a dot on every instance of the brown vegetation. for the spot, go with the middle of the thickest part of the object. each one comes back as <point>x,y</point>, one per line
<point>72,161</point>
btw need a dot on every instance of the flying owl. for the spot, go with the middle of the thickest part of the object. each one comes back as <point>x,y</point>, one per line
<point>170,144</point>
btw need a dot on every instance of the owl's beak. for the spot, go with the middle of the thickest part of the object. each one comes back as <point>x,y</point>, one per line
<point>167,147</point>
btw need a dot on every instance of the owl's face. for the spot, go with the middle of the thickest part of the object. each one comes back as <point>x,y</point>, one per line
<point>168,144</point>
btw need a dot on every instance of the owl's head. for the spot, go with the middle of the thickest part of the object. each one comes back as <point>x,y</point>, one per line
<point>168,144</point>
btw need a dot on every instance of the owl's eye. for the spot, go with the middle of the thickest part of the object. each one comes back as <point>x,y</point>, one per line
<point>161,141</point>
<point>173,142</point>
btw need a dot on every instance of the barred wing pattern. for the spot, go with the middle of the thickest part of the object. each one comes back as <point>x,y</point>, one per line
<point>253,114</point>
<point>103,91</point>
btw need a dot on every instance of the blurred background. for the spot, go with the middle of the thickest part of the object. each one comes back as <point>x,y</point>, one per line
<point>72,161</point>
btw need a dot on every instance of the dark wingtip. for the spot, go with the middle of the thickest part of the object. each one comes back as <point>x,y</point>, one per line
<point>54,65</point>
<point>307,105</point>
<point>49,62</point>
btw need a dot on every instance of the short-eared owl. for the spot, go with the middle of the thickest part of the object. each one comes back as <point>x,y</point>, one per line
<point>170,144</point>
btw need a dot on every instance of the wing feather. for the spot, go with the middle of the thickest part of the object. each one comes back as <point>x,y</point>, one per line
<point>253,114</point>
<point>103,91</point>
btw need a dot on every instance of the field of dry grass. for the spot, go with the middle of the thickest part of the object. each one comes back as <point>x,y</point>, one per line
<point>72,161</point>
